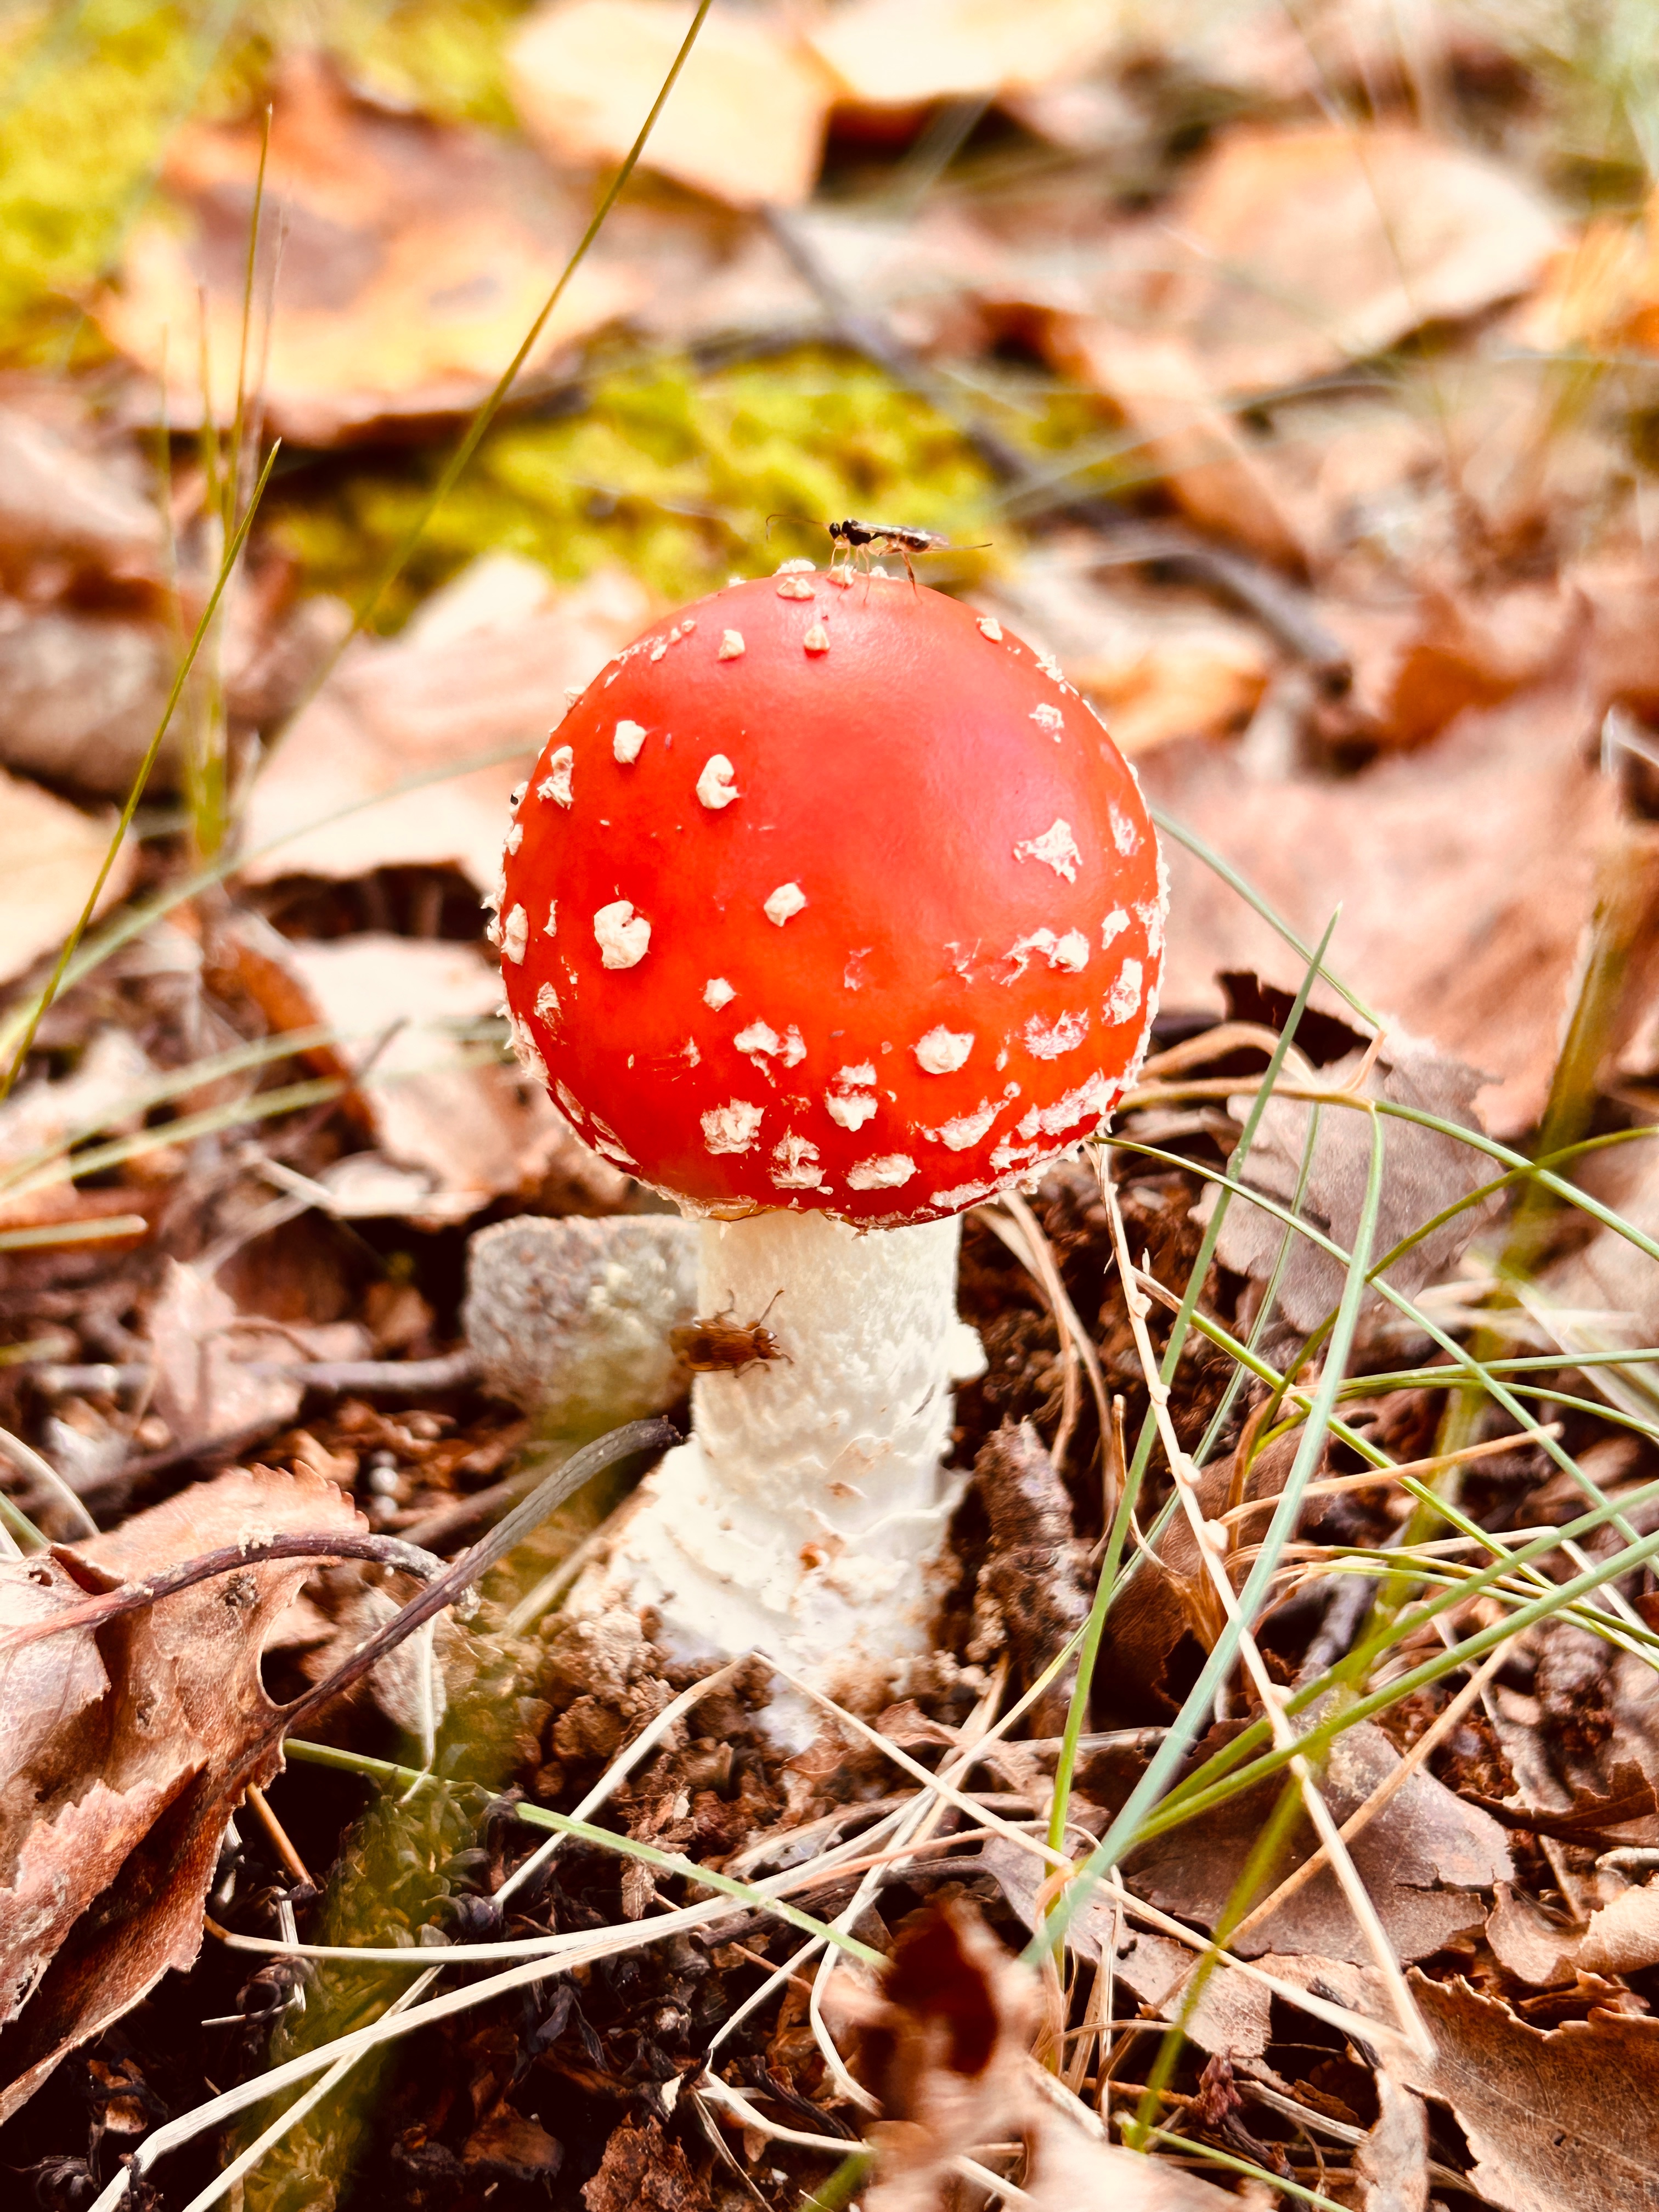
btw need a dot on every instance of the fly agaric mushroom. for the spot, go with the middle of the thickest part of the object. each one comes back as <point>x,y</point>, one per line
<point>829,910</point>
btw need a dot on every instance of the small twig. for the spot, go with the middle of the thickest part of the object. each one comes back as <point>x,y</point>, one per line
<point>633,1441</point>
<point>230,1558</point>
<point>279,1836</point>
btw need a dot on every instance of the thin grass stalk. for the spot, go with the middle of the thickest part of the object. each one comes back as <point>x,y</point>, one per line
<point>1082,1689</point>
<point>1161,1767</point>
<point>54,980</point>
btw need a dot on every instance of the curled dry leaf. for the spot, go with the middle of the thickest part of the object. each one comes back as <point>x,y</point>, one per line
<point>1566,2120</point>
<point>50,856</point>
<point>944,2047</point>
<point>745,122</point>
<point>127,1750</point>
<point>414,257</point>
<point>60,499</point>
<point>483,667</point>
<point>1425,1171</point>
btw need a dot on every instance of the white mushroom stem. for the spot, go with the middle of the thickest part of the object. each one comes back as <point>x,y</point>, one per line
<point>807,1513</point>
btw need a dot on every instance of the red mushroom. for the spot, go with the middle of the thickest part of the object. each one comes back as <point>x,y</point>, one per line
<point>830,908</point>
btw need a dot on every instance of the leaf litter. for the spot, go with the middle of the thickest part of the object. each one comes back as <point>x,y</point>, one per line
<point>1254,355</point>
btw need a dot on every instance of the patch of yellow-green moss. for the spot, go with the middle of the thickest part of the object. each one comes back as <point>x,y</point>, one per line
<point>672,472</point>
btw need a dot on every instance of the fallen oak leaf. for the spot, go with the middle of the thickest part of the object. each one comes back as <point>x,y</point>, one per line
<point>127,1745</point>
<point>1562,2120</point>
<point>106,1894</point>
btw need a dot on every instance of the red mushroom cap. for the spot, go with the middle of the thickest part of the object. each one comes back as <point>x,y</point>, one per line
<point>831,895</point>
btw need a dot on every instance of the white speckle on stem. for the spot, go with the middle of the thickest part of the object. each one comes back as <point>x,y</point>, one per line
<point>630,737</point>
<point>788,899</point>
<point>1057,849</point>
<point>715,785</point>
<point>556,784</point>
<point>942,1051</point>
<point>731,1127</point>
<point>731,646</point>
<point>884,1172</point>
<point>515,933</point>
<point>623,937</point>
<point>718,992</point>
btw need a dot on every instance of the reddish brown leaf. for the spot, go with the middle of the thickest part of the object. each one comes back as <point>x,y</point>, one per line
<point>127,1748</point>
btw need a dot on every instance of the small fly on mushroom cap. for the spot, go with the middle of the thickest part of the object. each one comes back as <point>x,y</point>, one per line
<point>826,911</point>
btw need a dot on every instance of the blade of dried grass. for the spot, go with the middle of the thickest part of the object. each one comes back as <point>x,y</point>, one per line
<point>1106,1584</point>
<point>49,991</point>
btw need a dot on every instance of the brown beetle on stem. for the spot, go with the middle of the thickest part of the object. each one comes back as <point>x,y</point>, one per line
<point>716,1346</point>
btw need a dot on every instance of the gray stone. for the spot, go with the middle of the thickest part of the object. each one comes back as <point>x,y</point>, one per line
<point>570,1318</point>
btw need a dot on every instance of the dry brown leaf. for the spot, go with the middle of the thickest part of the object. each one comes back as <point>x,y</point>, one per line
<point>1529,1945</point>
<point>1194,447</point>
<point>478,671</point>
<point>1305,248</point>
<point>212,1363</point>
<point>1562,2121</point>
<point>1159,664</point>
<point>415,258</point>
<point>1423,1172</point>
<point>1393,2161</point>
<point>744,123</point>
<point>50,856</point>
<point>642,2170</point>
<point>39,1116</point>
<point>1465,875</point>
<point>61,499</point>
<point>943,2046</point>
<point>127,1748</point>
<point>904,53</point>
<point>476,1125</point>
<point>1425,1858</point>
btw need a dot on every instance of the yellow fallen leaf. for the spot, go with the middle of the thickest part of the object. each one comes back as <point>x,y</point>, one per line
<point>50,856</point>
<point>414,258</point>
<point>744,122</point>
<point>900,53</point>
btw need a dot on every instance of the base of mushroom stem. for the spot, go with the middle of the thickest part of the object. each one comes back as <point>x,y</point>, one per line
<point>806,1515</point>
